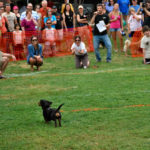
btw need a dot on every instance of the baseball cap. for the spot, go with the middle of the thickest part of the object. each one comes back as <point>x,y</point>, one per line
<point>15,7</point>
<point>80,6</point>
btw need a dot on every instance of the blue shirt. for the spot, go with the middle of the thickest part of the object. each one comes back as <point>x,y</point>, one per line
<point>124,6</point>
<point>34,15</point>
<point>53,18</point>
<point>32,51</point>
<point>135,7</point>
<point>109,8</point>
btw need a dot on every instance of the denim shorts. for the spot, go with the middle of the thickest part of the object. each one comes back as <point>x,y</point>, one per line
<point>115,29</point>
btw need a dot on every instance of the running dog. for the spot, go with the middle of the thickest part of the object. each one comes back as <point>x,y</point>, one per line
<point>50,113</point>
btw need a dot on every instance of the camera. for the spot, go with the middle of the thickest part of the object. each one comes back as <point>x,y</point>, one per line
<point>123,33</point>
<point>143,4</point>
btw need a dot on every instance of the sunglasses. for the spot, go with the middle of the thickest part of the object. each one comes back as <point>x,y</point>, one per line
<point>34,40</point>
<point>49,23</point>
<point>77,40</point>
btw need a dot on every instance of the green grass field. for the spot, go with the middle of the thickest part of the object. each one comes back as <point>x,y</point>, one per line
<point>106,108</point>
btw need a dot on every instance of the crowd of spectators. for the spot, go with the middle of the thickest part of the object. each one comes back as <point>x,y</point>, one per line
<point>111,16</point>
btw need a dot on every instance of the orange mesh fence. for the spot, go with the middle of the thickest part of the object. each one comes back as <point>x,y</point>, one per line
<point>136,51</point>
<point>54,42</point>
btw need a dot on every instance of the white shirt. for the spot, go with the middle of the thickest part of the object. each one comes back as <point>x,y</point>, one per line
<point>34,15</point>
<point>79,48</point>
<point>134,24</point>
<point>145,43</point>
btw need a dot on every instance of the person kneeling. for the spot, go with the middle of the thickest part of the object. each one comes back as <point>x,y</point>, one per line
<point>81,56</point>
<point>145,45</point>
<point>35,57</point>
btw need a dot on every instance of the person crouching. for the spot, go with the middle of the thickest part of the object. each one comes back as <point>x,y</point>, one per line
<point>81,57</point>
<point>35,57</point>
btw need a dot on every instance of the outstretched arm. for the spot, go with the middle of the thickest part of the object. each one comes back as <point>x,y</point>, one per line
<point>9,56</point>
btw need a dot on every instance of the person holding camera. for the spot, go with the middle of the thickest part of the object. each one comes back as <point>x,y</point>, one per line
<point>146,11</point>
<point>145,44</point>
<point>101,23</point>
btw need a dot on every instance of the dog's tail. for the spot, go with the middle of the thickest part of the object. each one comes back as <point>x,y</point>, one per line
<point>59,107</point>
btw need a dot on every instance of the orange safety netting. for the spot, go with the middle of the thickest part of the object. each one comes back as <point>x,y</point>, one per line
<point>54,42</point>
<point>136,51</point>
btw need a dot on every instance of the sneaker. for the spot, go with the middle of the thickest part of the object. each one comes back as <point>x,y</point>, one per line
<point>85,67</point>
<point>98,61</point>
<point>108,61</point>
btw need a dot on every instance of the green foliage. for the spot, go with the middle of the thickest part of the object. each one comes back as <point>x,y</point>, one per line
<point>95,115</point>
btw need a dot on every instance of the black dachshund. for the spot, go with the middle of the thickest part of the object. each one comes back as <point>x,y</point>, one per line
<point>50,113</point>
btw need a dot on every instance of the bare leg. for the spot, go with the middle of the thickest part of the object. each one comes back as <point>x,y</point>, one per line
<point>39,63</point>
<point>32,61</point>
<point>4,64</point>
<point>114,40</point>
<point>121,40</point>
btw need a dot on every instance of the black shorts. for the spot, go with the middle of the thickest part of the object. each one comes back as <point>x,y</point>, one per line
<point>147,60</point>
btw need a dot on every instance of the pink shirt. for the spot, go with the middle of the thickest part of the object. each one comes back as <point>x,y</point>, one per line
<point>115,24</point>
<point>28,25</point>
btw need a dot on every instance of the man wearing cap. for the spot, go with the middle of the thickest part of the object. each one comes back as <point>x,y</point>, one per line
<point>59,24</point>
<point>81,17</point>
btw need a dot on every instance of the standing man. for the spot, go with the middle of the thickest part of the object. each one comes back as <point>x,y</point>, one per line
<point>146,11</point>
<point>11,21</point>
<point>58,26</point>
<point>101,23</point>
<point>34,13</point>
<point>135,5</point>
<point>11,17</point>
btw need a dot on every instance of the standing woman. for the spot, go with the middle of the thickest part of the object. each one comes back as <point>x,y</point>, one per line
<point>16,12</point>
<point>69,17</point>
<point>29,23</point>
<point>116,26</point>
<point>35,57</point>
